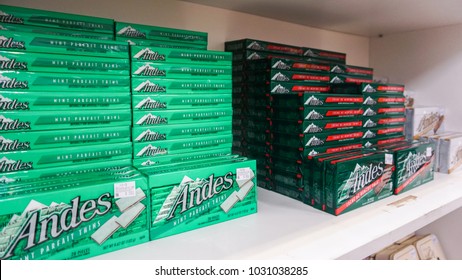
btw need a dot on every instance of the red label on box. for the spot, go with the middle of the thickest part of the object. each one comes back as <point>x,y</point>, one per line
<point>343,148</point>
<point>310,78</point>
<point>329,54</point>
<point>391,110</point>
<point>358,80</point>
<point>344,100</point>
<point>343,124</point>
<point>391,130</point>
<point>392,140</point>
<point>311,66</point>
<point>311,88</point>
<point>285,49</point>
<point>392,120</point>
<point>391,99</point>
<point>390,88</point>
<point>344,136</point>
<point>360,71</point>
<point>344,112</point>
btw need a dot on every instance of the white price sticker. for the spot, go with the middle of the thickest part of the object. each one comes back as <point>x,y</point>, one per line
<point>243,173</point>
<point>429,151</point>
<point>125,189</point>
<point>388,159</point>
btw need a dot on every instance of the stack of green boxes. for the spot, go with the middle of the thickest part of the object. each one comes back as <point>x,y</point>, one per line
<point>384,112</point>
<point>182,132</point>
<point>159,37</point>
<point>68,190</point>
<point>342,73</point>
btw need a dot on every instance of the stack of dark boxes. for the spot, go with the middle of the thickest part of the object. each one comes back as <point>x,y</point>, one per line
<point>181,98</point>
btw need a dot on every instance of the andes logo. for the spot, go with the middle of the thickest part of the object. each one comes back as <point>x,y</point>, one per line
<point>7,18</point>
<point>129,31</point>
<point>10,43</point>
<point>10,124</point>
<point>148,70</point>
<point>149,135</point>
<point>151,150</point>
<point>9,165</point>
<point>148,54</point>
<point>149,86</point>
<point>11,64</point>
<point>413,162</point>
<point>150,119</point>
<point>362,176</point>
<point>9,83</point>
<point>149,103</point>
<point>7,145</point>
<point>7,104</point>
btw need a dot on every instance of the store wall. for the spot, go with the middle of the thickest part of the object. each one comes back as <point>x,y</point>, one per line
<point>222,25</point>
<point>429,63</point>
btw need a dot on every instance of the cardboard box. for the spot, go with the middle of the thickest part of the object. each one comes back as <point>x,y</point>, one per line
<point>175,86</point>
<point>292,64</point>
<point>217,193</point>
<point>160,44</point>
<point>45,120</point>
<point>342,78</point>
<point>178,71</point>
<point>132,30</point>
<point>424,121</point>
<point>286,76</point>
<point>180,131</point>
<point>43,43</point>
<point>398,252</point>
<point>26,16</point>
<point>56,31</point>
<point>357,181</point>
<point>313,127</point>
<point>395,89</point>
<point>23,141</point>
<point>182,158</point>
<point>39,62</point>
<point>39,81</point>
<point>317,100</point>
<point>252,55</point>
<point>436,139</point>
<point>258,45</point>
<point>180,102</point>
<point>106,217</point>
<point>414,166</point>
<point>26,160</point>
<point>380,132</point>
<point>286,87</point>
<point>317,53</point>
<point>74,101</point>
<point>320,113</point>
<point>370,111</point>
<point>383,121</point>
<point>183,56</point>
<point>367,143</point>
<point>450,153</point>
<point>181,116</point>
<point>188,145</point>
<point>68,170</point>
<point>375,99</point>
<point>352,70</point>
<point>320,139</point>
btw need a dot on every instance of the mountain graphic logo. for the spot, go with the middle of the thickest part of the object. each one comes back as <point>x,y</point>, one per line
<point>4,140</point>
<point>369,134</point>
<point>312,153</point>
<point>280,65</point>
<point>336,80</point>
<point>4,119</point>
<point>313,115</point>
<point>369,112</point>
<point>3,28</point>
<point>131,32</point>
<point>7,18</point>
<point>148,163</point>
<point>253,56</point>
<point>150,119</point>
<point>6,180</point>
<point>314,101</point>
<point>148,54</point>
<point>151,150</point>
<point>255,46</point>
<point>2,58</point>
<point>4,79</point>
<point>314,141</point>
<point>280,89</point>
<point>148,70</point>
<point>148,86</point>
<point>309,52</point>
<point>149,135</point>
<point>370,123</point>
<point>4,99</point>
<point>369,88</point>
<point>369,101</point>
<point>312,128</point>
<point>6,160</point>
<point>280,77</point>
<point>336,69</point>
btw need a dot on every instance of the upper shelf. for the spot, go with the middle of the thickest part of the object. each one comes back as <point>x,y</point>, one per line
<point>287,229</point>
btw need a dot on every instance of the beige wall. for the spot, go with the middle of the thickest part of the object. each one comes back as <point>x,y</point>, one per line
<point>222,25</point>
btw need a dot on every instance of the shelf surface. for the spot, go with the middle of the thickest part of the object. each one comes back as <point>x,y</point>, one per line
<point>285,228</point>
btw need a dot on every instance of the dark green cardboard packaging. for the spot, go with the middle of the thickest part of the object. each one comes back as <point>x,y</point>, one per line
<point>183,158</point>
<point>44,81</point>
<point>22,141</point>
<point>357,181</point>
<point>317,100</point>
<point>180,102</point>
<point>45,120</point>
<point>286,87</point>
<point>367,143</point>
<point>380,132</point>
<point>160,44</point>
<point>312,127</point>
<point>40,62</point>
<point>258,45</point>
<point>383,121</point>
<point>384,110</point>
<point>377,99</point>
<point>352,70</point>
<point>317,53</point>
<point>391,89</point>
<point>74,101</point>
<point>43,43</point>
<point>320,113</point>
<point>342,78</point>
<point>133,30</point>
<point>26,16</point>
<point>320,139</point>
<point>293,64</point>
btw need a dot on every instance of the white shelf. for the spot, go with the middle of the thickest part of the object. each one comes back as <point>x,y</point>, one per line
<point>284,228</point>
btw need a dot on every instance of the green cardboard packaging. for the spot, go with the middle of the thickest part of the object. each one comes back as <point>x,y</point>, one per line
<point>143,118</point>
<point>367,143</point>
<point>380,132</point>
<point>258,45</point>
<point>389,89</point>
<point>26,160</point>
<point>188,145</point>
<point>43,43</point>
<point>216,194</point>
<point>384,110</point>
<point>179,71</point>
<point>324,54</point>
<point>312,127</point>
<point>45,120</point>
<point>317,100</point>
<point>75,220</point>
<point>132,30</point>
<point>179,102</point>
<point>383,121</point>
<point>286,87</point>
<point>183,56</point>
<point>376,99</point>
<point>342,78</point>
<point>56,31</point>
<point>40,81</point>
<point>160,44</point>
<point>39,62</point>
<point>50,101</point>
<point>320,113</point>
<point>180,131</point>
<point>352,70</point>
<point>23,141</point>
<point>320,139</point>
<point>26,16</point>
<point>173,86</point>
<point>292,64</point>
